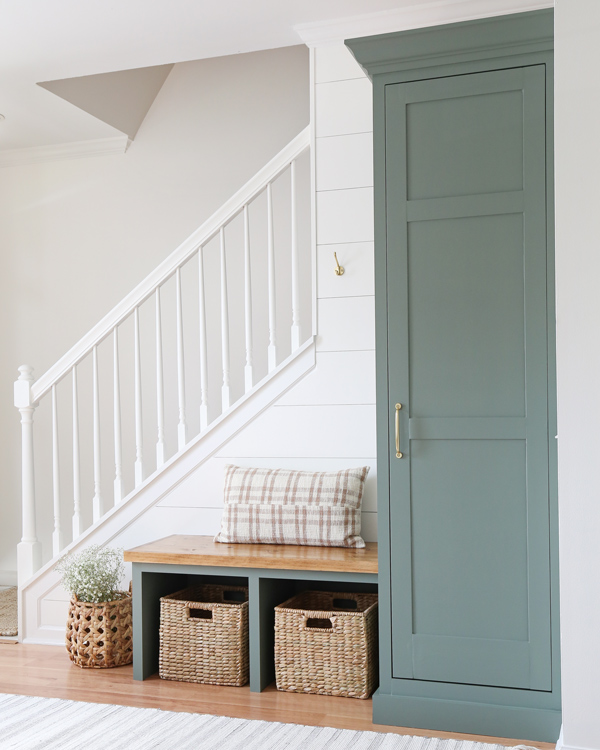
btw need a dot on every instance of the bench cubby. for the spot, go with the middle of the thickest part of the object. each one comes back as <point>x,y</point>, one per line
<point>273,573</point>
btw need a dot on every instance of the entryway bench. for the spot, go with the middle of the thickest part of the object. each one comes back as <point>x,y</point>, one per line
<point>272,572</point>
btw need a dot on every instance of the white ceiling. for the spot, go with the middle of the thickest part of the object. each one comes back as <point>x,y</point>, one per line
<point>48,40</point>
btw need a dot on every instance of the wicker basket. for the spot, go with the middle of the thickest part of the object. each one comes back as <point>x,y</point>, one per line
<point>100,635</point>
<point>204,635</point>
<point>326,643</point>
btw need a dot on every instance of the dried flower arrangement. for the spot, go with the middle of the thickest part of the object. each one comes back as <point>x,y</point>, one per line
<point>99,624</point>
<point>93,575</point>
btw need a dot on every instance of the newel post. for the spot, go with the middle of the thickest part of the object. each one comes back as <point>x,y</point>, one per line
<point>29,550</point>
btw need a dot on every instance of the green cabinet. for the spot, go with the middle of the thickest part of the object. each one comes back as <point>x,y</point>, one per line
<point>465,332</point>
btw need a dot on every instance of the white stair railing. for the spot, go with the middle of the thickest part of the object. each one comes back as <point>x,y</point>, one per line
<point>103,437</point>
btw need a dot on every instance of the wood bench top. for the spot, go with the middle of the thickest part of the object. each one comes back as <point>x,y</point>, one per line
<point>202,550</point>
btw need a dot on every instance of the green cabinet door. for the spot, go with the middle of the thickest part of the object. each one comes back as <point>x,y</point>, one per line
<point>468,361</point>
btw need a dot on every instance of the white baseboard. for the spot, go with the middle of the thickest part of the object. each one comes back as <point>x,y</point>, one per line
<point>560,744</point>
<point>59,642</point>
<point>8,577</point>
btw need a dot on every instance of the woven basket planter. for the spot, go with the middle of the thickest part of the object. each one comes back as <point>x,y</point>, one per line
<point>100,635</point>
<point>204,635</point>
<point>326,643</point>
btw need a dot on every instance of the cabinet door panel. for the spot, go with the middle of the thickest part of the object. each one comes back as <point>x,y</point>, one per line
<point>467,333</point>
<point>473,141</point>
<point>467,319</point>
<point>469,539</point>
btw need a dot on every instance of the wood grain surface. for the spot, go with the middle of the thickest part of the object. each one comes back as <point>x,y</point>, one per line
<point>47,672</point>
<point>202,550</point>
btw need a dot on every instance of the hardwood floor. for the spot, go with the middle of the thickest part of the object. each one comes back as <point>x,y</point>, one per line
<point>47,672</point>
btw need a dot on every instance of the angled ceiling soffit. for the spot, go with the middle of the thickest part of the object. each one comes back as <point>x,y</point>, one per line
<point>121,99</point>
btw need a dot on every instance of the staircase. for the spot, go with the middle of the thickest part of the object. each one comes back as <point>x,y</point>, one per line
<point>129,416</point>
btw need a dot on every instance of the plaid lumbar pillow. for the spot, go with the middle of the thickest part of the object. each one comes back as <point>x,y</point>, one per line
<point>279,506</point>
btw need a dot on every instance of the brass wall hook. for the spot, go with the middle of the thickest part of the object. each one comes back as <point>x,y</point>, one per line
<point>339,271</point>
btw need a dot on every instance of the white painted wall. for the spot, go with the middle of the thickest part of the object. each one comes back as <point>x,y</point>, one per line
<point>577,107</point>
<point>77,235</point>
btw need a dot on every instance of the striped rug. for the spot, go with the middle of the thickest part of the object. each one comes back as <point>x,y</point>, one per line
<point>53,724</point>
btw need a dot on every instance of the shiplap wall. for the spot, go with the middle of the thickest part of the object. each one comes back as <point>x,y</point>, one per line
<point>327,421</point>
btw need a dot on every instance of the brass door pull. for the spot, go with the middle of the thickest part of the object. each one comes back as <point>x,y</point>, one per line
<point>398,454</point>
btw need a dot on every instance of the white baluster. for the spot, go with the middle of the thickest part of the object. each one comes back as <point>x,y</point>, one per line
<point>97,502</point>
<point>29,549</point>
<point>118,485</point>
<point>77,525</point>
<point>248,374</point>
<point>57,537</point>
<point>295,278</point>
<point>181,427</point>
<point>272,350</point>
<point>225,395</point>
<point>160,395</point>
<point>139,461</point>
<point>203,347</point>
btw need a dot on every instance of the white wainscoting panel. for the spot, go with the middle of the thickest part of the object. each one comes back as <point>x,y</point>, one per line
<point>58,594</point>
<point>54,613</point>
<point>328,431</point>
<point>344,107</point>
<point>345,216</point>
<point>335,62</point>
<point>357,258</point>
<point>346,324</point>
<point>339,378</point>
<point>344,161</point>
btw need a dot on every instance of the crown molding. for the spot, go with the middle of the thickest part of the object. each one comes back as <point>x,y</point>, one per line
<point>503,36</point>
<point>413,16</point>
<point>57,152</point>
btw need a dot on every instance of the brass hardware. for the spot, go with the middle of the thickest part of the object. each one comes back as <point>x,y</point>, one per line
<point>398,454</point>
<point>339,271</point>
